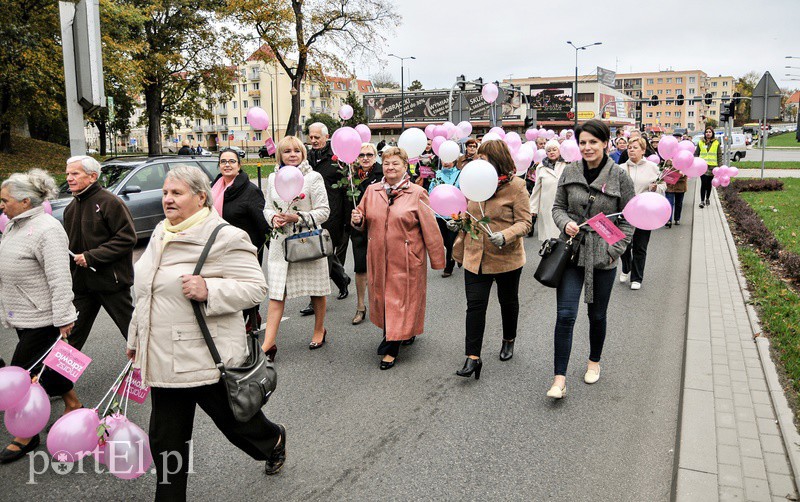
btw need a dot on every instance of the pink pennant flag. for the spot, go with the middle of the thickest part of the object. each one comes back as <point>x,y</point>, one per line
<point>270,146</point>
<point>137,390</point>
<point>68,361</point>
<point>605,229</point>
<point>671,177</point>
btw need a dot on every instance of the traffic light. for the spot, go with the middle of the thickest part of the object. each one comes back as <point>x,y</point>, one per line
<point>708,98</point>
<point>461,82</point>
<point>724,113</point>
<point>654,101</point>
<point>530,118</point>
<point>679,100</point>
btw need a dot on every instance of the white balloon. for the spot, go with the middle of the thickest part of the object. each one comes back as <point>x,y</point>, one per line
<point>466,127</point>
<point>449,151</point>
<point>478,180</point>
<point>413,141</point>
<point>492,136</point>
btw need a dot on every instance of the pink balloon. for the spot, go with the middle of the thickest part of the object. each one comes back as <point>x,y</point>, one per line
<point>648,211</point>
<point>447,200</point>
<point>289,182</point>
<point>668,147</point>
<point>723,180</point>
<point>3,222</point>
<point>74,434</point>
<point>686,145</point>
<point>716,171</point>
<point>733,171</point>
<point>699,167</point>
<point>682,160</point>
<point>715,182</point>
<point>570,151</point>
<point>15,382</point>
<point>346,144</point>
<point>440,131</point>
<point>522,160</point>
<point>364,132</point>
<point>499,131</point>
<point>257,118</point>
<point>436,143</point>
<point>429,130</point>
<point>551,134</point>
<point>531,134</point>
<point>128,453</point>
<point>562,134</point>
<point>654,158</point>
<point>110,422</point>
<point>29,417</point>
<point>514,141</point>
<point>627,134</point>
<point>466,128</point>
<point>451,129</point>
<point>539,155</point>
<point>346,112</point>
<point>489,93</point>
<point>48,209</point>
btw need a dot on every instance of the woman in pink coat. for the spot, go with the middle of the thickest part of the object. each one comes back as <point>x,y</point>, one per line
<point>402,231</point>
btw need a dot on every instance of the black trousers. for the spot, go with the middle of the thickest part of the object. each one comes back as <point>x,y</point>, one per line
<point>33,343</point>
<point>171,424</point>
<point>705,187</point>
<point>449,238</point>
<point>676,201</point>
<point>388,348</point>
<point>477,288</point>
<point>119,306</point>
<point>635,255</point>
<point>340,248</point>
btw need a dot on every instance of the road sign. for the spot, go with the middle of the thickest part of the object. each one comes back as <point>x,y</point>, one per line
<point>766,90</point>
<point>461,111</point>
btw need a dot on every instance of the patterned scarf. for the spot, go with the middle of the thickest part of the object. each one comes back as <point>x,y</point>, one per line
<point>502,180</point>
<point>391,192</point>
<point>362,173</point>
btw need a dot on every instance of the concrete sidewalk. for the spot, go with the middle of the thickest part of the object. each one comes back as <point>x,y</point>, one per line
<point>769,173</point>
<point>737,438</point>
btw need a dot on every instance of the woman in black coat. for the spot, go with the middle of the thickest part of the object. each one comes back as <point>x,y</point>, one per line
<point>239,201</point>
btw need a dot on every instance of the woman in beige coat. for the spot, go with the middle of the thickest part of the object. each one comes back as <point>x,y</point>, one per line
<point>165,340</point>
<point>495,257</point>
<point>544,191</point>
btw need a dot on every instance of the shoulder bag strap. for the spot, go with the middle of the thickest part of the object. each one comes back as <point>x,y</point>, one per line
<point>198,313</point>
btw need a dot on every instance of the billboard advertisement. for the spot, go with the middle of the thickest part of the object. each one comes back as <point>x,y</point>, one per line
<point>620,109</point>
<point>432,106</point>
<point>551,101</point>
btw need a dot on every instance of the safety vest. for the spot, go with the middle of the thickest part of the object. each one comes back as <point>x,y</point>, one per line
<point>710,154</point>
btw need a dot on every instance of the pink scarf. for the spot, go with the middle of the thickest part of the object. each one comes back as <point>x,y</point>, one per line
<point>218,193</point>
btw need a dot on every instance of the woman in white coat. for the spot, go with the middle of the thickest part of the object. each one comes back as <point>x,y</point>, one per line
<point>291,280</point>
<point>544,191</point>
<point>644,175</point>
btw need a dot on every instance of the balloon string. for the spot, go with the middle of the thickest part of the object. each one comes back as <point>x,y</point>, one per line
<point>480,205</point>
<point>44,355</point>
<point>114,386</point>
<point>613,215</point>
<point>444,218</point>
<point>126,396</point>
<point>352,186</point>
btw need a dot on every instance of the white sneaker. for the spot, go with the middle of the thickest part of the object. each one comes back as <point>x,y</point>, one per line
<point>636,285</point>
<point>623,278</point>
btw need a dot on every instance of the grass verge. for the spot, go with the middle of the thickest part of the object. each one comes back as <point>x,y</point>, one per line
<point>32,153</point>
<point>780,211</point>
<point>770,164</point>
<point>783,139</point>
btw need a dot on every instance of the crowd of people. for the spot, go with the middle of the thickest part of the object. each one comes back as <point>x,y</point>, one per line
<point>54,278</point>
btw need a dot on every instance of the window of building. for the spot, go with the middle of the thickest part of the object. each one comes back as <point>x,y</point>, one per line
<point>713,112</point>
<point>234,105</point>
<point>649,92</point>
<point>223,121</point>
<point>668,92</point>
<point>714,94</point>
<point>210,122</point>
<point>303,103</point>
<point>585,97</point>
<point>724,93</point>
<point>245,120</point>
<point>660,80</point>
<point>668,114</point>
<point>691,91</point>
<point>678,80</point>
<point>197,122</point>
<point>690,126</point>
<point>256,102</point>
<point>323,103</point>
<point>713,84</point>
<point>658,114</point>
<point>313,87</point>
<point>302,119</point>
<point>649,80</point>
<point>677,114</point>
<point>235,120</point>
<point>669,80</point>
<point>258,136</point>
<point>244,87</point>
<point>649,115</point>
<point>302,87</point>
<point>256,86</point>
<point>678,91</point>
<point>244,104</point>
<point>690,113</point>
<point>692,80</point>
<point>313,103</point>
<point>725,84</point>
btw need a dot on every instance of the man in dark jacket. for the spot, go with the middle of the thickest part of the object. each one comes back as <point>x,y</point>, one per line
<point>102,236</point>
<point>186,149</point>
<point>321,160</point>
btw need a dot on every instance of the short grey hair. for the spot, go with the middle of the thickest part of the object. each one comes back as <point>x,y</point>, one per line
<point>35,185</point>
<point>319,125</point>
<point>195,179</point>
<point>370,146</point>
<point>89,164</point>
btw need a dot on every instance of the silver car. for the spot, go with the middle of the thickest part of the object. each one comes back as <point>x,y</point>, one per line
<point>138,181</point>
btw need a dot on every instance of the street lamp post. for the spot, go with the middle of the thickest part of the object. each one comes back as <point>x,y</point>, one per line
<point>575,89</point>
<point>402,91</point>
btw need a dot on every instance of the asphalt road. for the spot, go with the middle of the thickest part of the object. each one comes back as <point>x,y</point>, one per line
<point>418,432</point>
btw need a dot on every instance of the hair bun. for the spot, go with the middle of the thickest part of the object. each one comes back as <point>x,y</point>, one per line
<point>43,184</point>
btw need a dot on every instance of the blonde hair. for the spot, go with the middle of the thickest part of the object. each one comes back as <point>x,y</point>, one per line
<point>638,141</point>
<point>287,142</point>
<point>395,151</point>
<point>35,185</point>
<point>371,147</point>
<point>552,144</point>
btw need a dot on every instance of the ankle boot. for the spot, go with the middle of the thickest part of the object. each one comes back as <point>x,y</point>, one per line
<point>471,366</point>
<point>507,350</point>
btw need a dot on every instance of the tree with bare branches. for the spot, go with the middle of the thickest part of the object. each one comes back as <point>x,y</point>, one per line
<point>323,35</point>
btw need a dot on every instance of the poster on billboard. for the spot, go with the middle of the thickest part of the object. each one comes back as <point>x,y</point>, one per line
<point>619,109</point>
<point>551,101</point>
<point>432,106</point>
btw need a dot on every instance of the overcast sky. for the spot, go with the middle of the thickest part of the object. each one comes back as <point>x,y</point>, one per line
<point>526,38</point>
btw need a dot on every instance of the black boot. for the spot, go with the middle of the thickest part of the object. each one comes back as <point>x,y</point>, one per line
<point>471,366</point>
<point>507,350</point>
<point>308,310</point>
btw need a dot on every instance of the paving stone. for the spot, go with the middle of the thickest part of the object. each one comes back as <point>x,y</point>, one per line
<point>767,426</point>
<point>781,485</point>
<point>757,490</point>
<point>726,420</point>
<point>694,485</point>
<point>754,468</point>
<point>760,397</point>
<point>745,414</point>
<point>764,411</point>
<point>750,447</point>
<point>728,454</point>
<point>730,475</point>
<point>771,444</point>
<point>776,463</point>
<point>729,493</point>
<point>729,436</point>
<point>723,405</point>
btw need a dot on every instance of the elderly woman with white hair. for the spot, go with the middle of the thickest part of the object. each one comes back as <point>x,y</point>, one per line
<point>544,191</point>
<point>35,286</point>
<point>165,339</point>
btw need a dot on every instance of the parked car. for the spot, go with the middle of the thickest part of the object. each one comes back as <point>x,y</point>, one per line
<point>738,145</point>
<point>263,153</point>
<point>240,152</point>
<point>138,182</point>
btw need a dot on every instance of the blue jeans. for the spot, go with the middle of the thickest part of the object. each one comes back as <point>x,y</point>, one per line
<point>568,297</point>
<point>676,201</point>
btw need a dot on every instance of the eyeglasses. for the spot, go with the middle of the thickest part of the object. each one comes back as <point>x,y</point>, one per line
<point>472,146</point>
<point>223,162</point>
<point>366,155</point>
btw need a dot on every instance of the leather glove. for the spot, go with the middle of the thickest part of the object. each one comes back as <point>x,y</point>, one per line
<point>452,226</point>
<point>497,239</point>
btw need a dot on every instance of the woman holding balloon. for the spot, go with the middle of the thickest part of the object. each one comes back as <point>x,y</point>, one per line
<point>369,172</point>
<point>448,174</point>
<point>645,176</point>
<point>544,191</point>
<point>497,255</point>
<point>402,231</point>
<point>295,198</point>
<point>709,150</point>
<point>36,299</point>
<point>586,188</point>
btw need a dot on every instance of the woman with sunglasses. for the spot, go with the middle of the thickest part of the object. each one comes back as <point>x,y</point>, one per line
<point>368,172</point>
<point>239,201</point>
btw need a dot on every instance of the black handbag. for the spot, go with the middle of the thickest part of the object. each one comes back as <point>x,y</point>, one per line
<point>248,386</point>
<point>307,246</point>
<point>557,254</point>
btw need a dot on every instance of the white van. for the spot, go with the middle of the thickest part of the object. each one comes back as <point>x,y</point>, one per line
<point>738,145</point>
